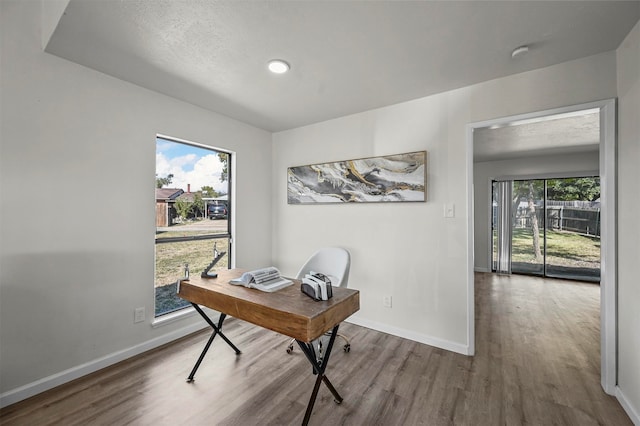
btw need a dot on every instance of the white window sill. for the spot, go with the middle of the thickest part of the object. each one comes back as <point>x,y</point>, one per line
<point>173,317</point>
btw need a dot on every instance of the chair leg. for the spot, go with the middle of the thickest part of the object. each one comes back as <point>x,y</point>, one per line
<point>346,347</point>
<point>347,344</point>
<point>318,346</point>
<point>290,347</point>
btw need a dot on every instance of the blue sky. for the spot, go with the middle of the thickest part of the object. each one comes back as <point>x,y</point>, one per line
<point>189,165</point>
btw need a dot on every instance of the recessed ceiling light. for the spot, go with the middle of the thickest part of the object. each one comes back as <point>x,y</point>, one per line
<point>278,66</point>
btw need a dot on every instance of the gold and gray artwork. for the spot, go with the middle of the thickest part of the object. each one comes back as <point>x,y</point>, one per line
<point>391,178</point>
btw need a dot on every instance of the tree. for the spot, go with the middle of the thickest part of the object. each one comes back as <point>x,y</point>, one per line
<point>197,207</point>
<point>572,189</point>
<point>162,181</point>
<point>183,208</point>
<point>224,159</point>
<point>209,192</point>
<point>531,208</point>
<point>530,190</point>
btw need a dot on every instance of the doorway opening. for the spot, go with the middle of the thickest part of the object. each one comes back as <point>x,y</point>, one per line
<point>479,200</point>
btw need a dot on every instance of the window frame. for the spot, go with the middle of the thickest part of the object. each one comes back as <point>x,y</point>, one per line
<point>188,310</point>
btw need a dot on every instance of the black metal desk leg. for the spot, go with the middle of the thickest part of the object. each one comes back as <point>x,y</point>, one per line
<point>319,368</point>
<point>216,330</point>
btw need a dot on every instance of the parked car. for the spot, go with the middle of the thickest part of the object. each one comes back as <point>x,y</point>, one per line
<point>217,210</point>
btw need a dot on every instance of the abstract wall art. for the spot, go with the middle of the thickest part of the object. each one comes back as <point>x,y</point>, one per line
<point>390,178</point>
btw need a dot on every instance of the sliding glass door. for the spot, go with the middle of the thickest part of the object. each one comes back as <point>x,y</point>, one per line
<point>573,228</point>
<point>552,226</point>
<point>527,235</point>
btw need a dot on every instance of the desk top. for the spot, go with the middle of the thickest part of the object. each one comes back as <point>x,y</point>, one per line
<point>287,311</point>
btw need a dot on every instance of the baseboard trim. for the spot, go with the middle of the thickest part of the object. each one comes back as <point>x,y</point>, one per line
<point>479,269</point>
<point>50,382</point>
<point>628,408</point>
<point>411,335</point>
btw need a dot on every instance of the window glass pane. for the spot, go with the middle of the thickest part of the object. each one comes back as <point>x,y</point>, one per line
<point>527,248</point>
<point>573,228</point>
<point>171,258</point>
<point>192,216</point>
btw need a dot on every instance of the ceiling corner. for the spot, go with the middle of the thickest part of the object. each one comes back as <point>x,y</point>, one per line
<point>52,11</point>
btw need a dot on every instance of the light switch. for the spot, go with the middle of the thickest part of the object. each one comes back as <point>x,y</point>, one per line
<point>449,210</point>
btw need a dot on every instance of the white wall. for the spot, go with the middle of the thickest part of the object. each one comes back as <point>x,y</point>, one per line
<point>77,178</point>
<point>410,251</point>
<point>484,171</point>
<point>628,59</point>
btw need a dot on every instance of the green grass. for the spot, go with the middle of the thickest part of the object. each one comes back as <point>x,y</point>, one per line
<point>170,260</point>
<point>171,257</point>
<point>563,248</point>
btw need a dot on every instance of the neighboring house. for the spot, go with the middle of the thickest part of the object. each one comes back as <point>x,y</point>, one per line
<point>165,197</point>
<point>191,197</point>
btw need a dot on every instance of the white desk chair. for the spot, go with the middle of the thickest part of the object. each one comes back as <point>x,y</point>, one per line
<point>335,263</point>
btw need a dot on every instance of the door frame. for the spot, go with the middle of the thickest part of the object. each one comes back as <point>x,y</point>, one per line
<point>608,264</point>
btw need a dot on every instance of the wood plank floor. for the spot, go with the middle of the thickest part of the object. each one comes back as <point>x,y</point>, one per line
<point>537,363</point>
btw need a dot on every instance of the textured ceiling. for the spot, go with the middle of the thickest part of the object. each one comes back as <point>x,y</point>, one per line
<point>552,135</point>
<point>346,56</point>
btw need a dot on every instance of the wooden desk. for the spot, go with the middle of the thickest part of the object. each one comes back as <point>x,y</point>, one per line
<point>287,311</point>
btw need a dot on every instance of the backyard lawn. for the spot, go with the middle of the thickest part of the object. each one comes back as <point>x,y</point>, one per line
<point>171,258</point>
<point>563,248</point>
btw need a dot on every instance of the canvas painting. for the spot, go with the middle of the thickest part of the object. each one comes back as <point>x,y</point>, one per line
<point>390,178</point>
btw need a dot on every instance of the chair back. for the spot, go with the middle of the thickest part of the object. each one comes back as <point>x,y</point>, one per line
<point>332,261</point>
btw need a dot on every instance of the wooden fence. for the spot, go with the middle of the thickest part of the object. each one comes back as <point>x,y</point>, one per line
<point>581,220</point>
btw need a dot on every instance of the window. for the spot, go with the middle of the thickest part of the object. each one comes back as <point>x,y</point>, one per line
<point>193,218</point>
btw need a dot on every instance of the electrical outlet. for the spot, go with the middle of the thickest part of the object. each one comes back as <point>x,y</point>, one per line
<point>386,301</point>
<point>138,314</point>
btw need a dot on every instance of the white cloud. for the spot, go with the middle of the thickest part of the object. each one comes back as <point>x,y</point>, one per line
<point>206,171</point>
